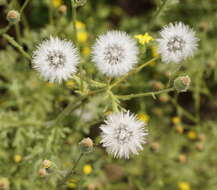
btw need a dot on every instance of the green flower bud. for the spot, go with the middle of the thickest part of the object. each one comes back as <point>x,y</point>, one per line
<point>13,16</point>
<point>181,84</point>
<point>86,145</point>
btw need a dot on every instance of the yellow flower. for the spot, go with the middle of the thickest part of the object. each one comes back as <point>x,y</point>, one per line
<point>87,169</point>
<point>184,185</point>
<point>70,84</point>
<point>17,158</point>
<point>192,135</point>
<point>143,117</point>
<point>176,120</point>
<point>82,36</point>
<point>56,3</point>
<point>154,51</point>
<point>72,183</point>
<point>144,39</point>
<point>86,51</point>
<point>79,25</point>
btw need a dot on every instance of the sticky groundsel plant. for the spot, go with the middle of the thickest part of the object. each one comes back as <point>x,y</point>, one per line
<point>116,56</point>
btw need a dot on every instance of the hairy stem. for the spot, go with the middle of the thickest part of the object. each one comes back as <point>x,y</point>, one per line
<point>130,96</point>
<point>69,173</point>
<point>24,6</point>
<point>16,45</point>
<point>136,70</point>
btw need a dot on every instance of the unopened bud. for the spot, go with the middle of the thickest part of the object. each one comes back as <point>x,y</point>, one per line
<point>199,146</point>
<point>46,164</point>
<point>155,146</point>
<point>91,186</point>
<point>63,9</point>
<point>13,16</point>
<point>42,172</point>
<point>87,144</point>
<point>179,129</point>
<point>4,183</point>
<point>182,158</point>
<point>182,84</point>
<point>202,137</point>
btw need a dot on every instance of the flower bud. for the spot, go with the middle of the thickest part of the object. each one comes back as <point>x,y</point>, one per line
<point>202,137</point>
<point>182,158</point>
<point>90,186</point>
<point>155,146</point>
<point>179,129</point>
<point>182,84</point>
<point>4,183</point>
<point>46,164</point>
<point>42,172</point>
<point>63,9</point>
<point>13,16</point>
<point>199,146</point>
<point>86,144</point>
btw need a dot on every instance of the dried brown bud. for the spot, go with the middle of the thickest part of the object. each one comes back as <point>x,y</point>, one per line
<point>4,183</point>
<point>202,137</point>
<point>91,186</point>
<point>42,172</point>
<point>155,146</point>
<point>182,158</point>
<point>179,129</point>
<point>199,146</point>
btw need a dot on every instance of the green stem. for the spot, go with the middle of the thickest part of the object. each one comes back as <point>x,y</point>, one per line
<point>17,30</point>
<point>184,112</point>
<point>24,6</point>
<point>70,107</point>
<point>16,45</point>
<point>69,173</point>
<point>130,96</point>
<point>51,15</point>
<point>136,70</point>
<point>159,10</point>
<point>74,18</point>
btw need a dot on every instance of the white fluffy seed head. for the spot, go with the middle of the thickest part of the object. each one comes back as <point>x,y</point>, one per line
<point>55,59</point>
<point>115,53</point>
<point>123,135</point>
<point>177,42</point>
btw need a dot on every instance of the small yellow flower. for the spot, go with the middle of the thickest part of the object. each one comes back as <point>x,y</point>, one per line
<point>143,117</point>
<point>70,84</point>
<point>87,169</point>
<point>176,120</point>
<point>56,3</point>
<point>79,25</point>
<point>72,183</point>
<point>86,51</point>
<point>17,158</point>
<point>154,51</point>
<point>144,39</point>
<point>192,135</point>
<point>184,185</point>
<point>82,36</point>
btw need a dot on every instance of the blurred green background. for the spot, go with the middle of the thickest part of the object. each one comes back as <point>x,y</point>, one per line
<point>181,153</point>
